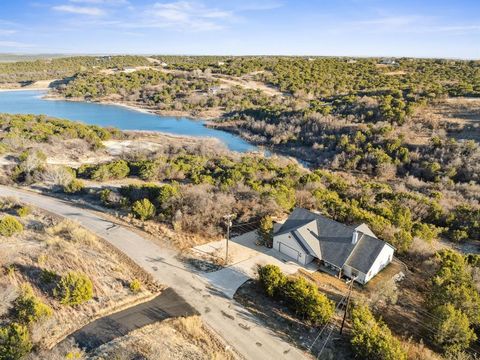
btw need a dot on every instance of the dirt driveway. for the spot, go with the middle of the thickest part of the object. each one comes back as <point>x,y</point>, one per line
<point>166,305</point>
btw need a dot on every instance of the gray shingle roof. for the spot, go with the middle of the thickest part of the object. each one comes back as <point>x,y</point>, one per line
<point>331,241</point>
<point>365,253</point>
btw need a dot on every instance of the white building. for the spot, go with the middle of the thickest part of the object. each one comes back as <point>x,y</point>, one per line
<point>354,252</point>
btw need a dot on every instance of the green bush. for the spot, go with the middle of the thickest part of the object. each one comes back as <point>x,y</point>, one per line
<point>74,289</point>
<point>23,211</point>
<point>9,226</point>
<point>304,298</point>
<point>74,187</point>
<point>135,286</point>
<point>454,284</point>
<point>266,230</point>
<point>115,170</point>
<point>27,308</point>
<point>452,329</point>
<point>143,209</point>
<point>301,296</point>
<point>14,342</point>
<point>372,339</point>
<point>272,279</point>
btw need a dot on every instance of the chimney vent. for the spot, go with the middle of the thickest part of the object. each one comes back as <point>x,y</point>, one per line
<point>355,237</point>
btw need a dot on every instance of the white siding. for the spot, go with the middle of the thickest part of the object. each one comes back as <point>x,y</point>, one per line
<point>287,245</point>
<point>383,259</point>
<point>347,271</point>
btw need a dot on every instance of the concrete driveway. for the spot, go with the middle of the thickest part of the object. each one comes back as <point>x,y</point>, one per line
<point>225,317</point>
<point>245,256</point>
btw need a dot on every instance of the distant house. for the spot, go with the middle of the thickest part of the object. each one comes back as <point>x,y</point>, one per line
<point>354,252</point>
<point>389,61</point>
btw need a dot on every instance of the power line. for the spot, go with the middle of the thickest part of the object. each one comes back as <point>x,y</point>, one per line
<point>326,341</point>
<point>325,326</point>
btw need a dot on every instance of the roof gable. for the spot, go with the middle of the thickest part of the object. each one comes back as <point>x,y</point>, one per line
<point>365,253</point>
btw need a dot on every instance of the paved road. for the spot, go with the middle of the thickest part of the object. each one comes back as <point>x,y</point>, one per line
<point>243,331</point>
<point>166,305</point>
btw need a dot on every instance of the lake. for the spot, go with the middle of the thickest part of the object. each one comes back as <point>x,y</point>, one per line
<point>31,102</point>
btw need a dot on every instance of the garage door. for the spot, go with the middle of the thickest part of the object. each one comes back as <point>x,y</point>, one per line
<point>287,250</point>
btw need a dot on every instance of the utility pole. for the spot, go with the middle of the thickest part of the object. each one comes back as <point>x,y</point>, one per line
<point>229,224</point>
<point>346,306</point>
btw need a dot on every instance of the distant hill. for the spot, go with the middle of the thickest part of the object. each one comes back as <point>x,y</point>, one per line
<point>29,57</point>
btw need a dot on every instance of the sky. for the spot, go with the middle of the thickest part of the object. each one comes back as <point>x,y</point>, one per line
<point>417,28</point>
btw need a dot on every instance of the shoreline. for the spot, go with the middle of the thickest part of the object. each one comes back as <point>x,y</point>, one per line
<point>136,107</point>
<point>207,122</point>
<point>23,89</point>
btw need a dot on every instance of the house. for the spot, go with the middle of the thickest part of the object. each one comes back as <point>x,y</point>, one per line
<point>351,251</point>
<point>389,61</point>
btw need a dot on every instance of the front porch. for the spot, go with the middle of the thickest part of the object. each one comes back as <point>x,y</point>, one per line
<point>329,268</point>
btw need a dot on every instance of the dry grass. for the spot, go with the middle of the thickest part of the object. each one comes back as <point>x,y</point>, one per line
<point>175,339</point>
<point>48,243</point>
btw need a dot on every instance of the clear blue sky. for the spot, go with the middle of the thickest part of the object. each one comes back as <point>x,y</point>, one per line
<point>422,28</point>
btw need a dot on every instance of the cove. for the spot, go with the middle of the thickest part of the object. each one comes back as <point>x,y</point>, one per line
<point>31,102</point>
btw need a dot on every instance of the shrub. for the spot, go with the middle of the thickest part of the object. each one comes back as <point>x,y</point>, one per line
<point>304,298</point>
<point>27,308</point>
<point>135,286</point>
<point>452,329</point>
<point>143,209</point>
<point>453,283</point>
<point>372,339</point>
<point>115,170</point>
<point>272,279</point>
<point>23,211</point>
<point>9,226</point>
<point>74,289</point>
<point>14,342</point>
<point>266,230</point>
<point>74,187</point>
<point>301,295</point>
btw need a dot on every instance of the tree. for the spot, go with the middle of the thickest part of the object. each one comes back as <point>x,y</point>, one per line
<point>74,289</point>
<point>143,209</point>
<point>266,230</point>
<point>452,329</point>
<point>453,284</point>
<point>9,226</point>
<point>302,296</point>
<point>271,278</point>
<point>14,342</point>
<point>372,339</point>
<point>305,299</point>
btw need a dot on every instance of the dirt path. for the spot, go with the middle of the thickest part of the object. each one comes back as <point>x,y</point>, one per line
<point>250,84</point>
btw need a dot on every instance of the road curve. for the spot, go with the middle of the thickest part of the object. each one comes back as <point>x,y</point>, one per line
<point>238,327</point>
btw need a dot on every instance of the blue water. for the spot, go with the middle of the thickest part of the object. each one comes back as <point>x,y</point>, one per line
<point>31,102</point>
